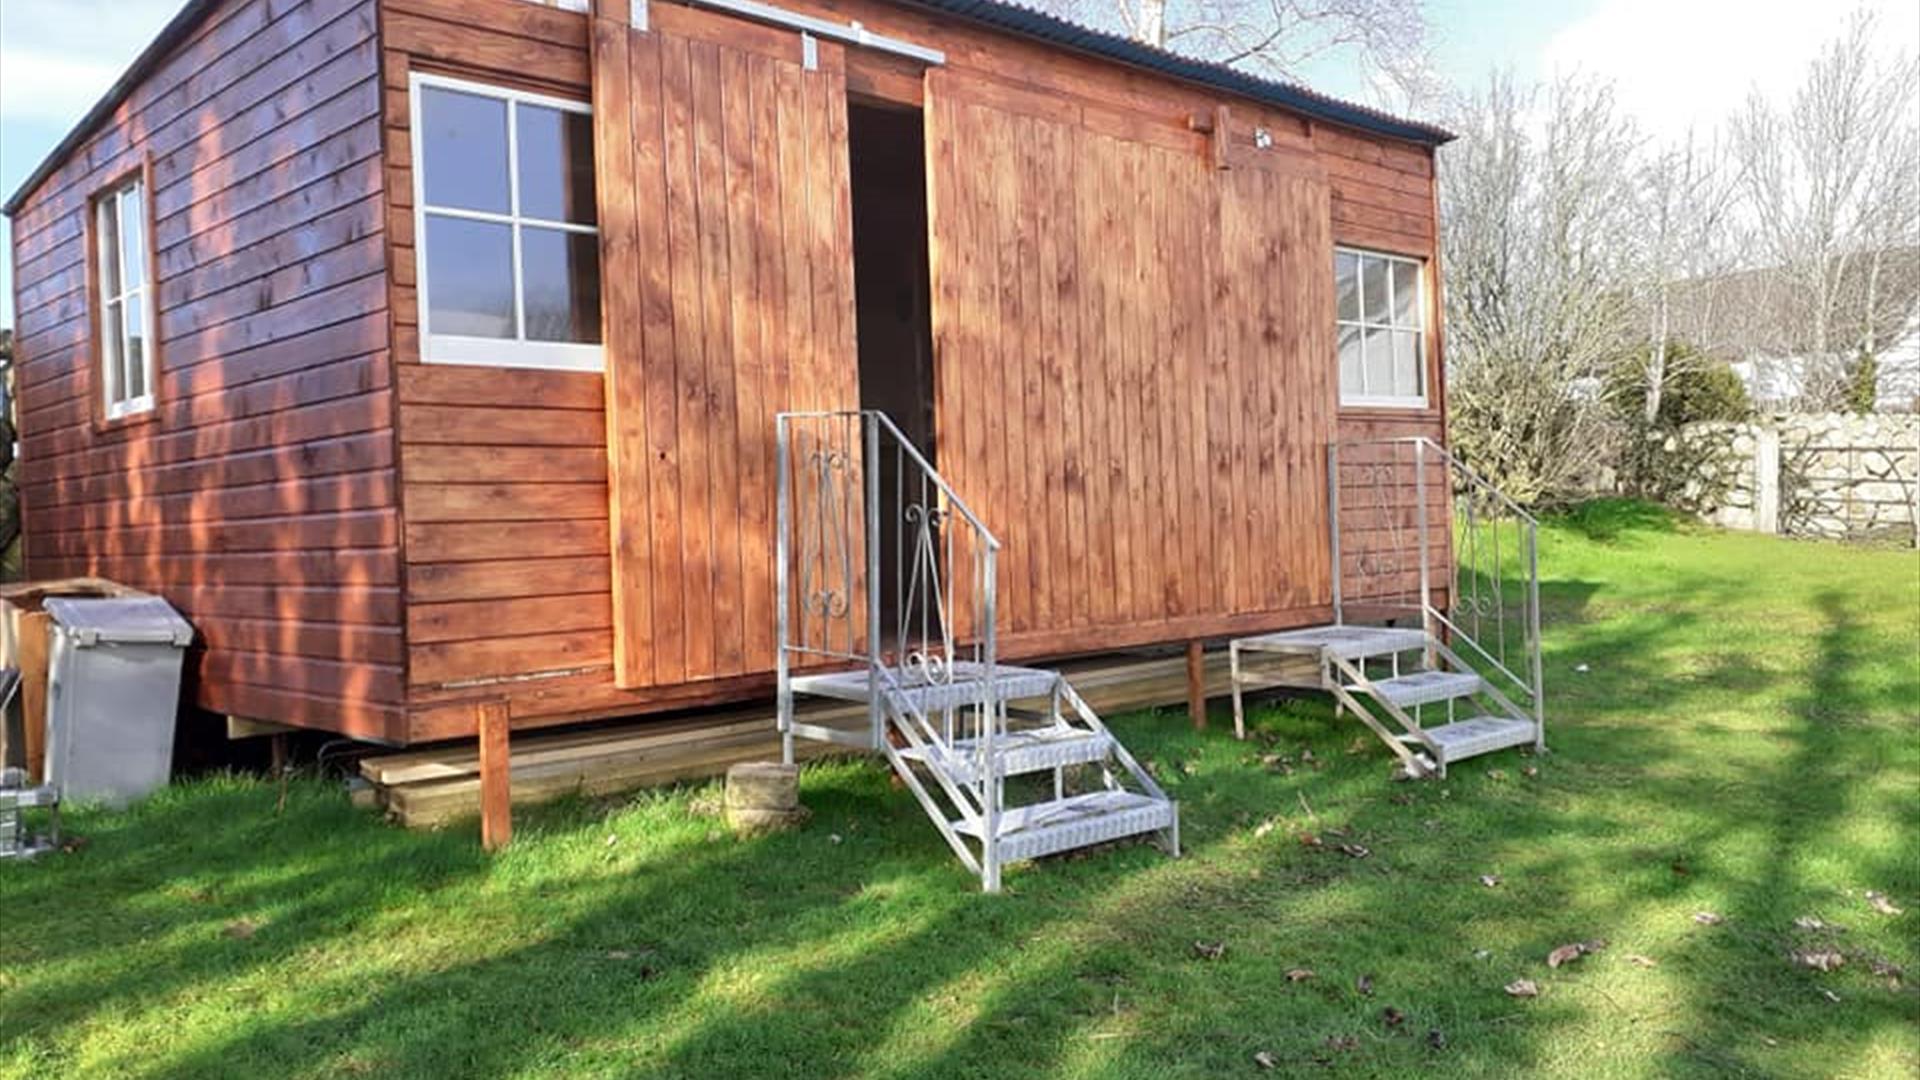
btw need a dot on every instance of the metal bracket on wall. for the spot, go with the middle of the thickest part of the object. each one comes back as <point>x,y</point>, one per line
<point>809,51</point>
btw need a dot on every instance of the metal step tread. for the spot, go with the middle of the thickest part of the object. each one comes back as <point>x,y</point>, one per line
<point>1346,642</point>
<point>1032,750</point>
<point>1479,735</point>
<point>1029,832</point>
<point>1423,687</point>
<point>1009,683</point>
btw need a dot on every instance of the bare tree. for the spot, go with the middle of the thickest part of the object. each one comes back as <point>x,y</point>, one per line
<point>1828,189</point>
<point>1687,194</point>
<point>1536,200</point>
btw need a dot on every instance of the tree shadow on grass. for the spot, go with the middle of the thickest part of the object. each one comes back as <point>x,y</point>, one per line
<point>1812,788</point>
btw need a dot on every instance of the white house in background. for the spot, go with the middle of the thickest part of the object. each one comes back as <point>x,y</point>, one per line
<point>1759,325</point>
<point>1780,380</point>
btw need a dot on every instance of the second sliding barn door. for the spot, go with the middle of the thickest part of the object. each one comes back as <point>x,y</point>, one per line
<point>726,240</point>
<point>1134,364</point>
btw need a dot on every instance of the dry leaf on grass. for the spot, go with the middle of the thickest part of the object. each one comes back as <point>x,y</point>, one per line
<point>1437,1039</point>
<point>1816,923</point>
<point>1364,984</point>
<point>241,929</point>
<point>1880,903</point>
<point>1642,961</point>
<point>1209,950</point>
<point>1263,828</point>
<point>1295,975</point>
<point>1343,1042</point>
<point>1490,880</point>
<point>1707,918</point>
<point>1523,988</point>
<point>1310,840</point>
<point>1265,1060</point>
<point>1566,954</point>
<point>1358,851</point>
<point>1819,959</point>
<point>1392,1017</point>
<point>1888,971</point>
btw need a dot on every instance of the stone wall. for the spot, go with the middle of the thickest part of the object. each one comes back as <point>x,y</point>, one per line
<point>1827,474</point>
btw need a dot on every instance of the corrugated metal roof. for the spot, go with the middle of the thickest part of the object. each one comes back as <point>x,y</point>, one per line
<point>1028,22</point>
<point>1010,17</point>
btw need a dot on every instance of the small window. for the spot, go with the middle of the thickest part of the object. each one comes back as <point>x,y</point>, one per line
<point>1380,329</point>
<point>125,300</point>
<point>509,256</point>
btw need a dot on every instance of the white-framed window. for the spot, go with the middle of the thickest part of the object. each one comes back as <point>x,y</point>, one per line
<point>1380,328</point>
<point>505,230</point>
<point>126,299</point>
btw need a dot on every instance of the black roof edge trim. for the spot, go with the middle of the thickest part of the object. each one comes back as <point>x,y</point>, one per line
<point>1051,29</point>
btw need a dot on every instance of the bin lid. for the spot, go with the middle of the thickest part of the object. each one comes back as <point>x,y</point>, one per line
<point>126,620</point>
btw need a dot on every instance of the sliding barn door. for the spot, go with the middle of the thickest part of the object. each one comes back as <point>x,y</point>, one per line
<point>1134,363</point>
<point>726,264</point>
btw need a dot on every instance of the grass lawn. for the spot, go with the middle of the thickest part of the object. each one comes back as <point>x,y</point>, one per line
<point>1736,727</point>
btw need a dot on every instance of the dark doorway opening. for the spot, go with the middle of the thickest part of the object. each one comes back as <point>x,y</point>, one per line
<point>891,287</point>
<point>886,149</point>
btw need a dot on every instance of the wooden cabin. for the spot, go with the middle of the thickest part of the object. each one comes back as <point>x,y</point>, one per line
<point>425,352</point>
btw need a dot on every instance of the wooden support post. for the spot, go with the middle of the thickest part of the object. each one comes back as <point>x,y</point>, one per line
<point>496,791</point>
<point>31,653</point>
<point>1197,684</point>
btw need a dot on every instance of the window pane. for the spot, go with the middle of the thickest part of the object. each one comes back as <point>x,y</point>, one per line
<point>1373,288</point>
<point>463,138</point>
<point>136,365</point>
<point>1406,364</point>
<point>1350,370</point>
<point>133,246</point>
<point>556,164</point>
<point>1346,285</point>
<point>109,254</point>
<point>1379,363</point>
<point>1406,294</point>
<point>469,277</point>
<point>560,272</point>
<point>110,341</point>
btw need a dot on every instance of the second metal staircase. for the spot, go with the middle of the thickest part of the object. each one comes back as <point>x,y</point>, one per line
<point>887,589</point>
<point>1435,644</point>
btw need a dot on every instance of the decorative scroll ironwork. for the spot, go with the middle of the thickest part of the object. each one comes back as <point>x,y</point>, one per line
<point>880,562</point>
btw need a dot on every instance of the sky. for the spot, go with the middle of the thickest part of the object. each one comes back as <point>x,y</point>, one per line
<point>1677,64</point>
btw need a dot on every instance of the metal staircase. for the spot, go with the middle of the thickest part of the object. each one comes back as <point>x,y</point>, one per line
<point>886,594</point>
<point>1436,599</point>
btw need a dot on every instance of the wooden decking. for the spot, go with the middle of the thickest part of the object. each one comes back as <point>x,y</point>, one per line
<point>437,785</point>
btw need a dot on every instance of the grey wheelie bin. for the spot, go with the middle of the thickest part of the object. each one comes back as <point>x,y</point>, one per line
<point>113,689</point>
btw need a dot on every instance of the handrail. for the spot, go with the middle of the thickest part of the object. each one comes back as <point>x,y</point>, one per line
<point>1454,461</point>
<point>1378,555</point>
<point>913,454</point>
<point>863,513</point>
